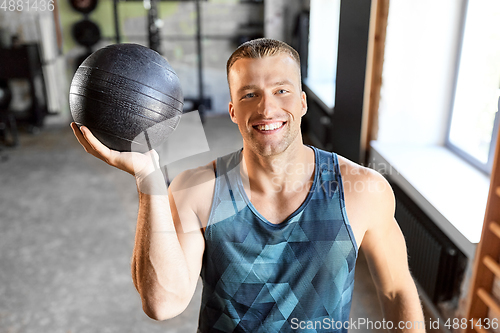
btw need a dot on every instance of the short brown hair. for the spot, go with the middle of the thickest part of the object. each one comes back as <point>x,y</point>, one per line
<point>260,48</point>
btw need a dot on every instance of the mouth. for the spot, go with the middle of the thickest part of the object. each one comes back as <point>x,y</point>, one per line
<point>268,128</point>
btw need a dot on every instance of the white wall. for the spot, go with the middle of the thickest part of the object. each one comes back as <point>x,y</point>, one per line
<point>419,68</point>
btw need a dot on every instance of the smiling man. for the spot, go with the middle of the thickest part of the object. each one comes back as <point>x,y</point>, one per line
<point>274,228</point>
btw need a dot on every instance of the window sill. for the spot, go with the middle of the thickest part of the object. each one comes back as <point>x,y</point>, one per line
<point>449,190</point>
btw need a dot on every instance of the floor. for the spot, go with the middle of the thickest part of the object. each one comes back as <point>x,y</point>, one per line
<point>67,224</point>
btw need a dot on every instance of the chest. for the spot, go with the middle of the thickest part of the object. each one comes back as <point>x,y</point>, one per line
<point>277,207</point>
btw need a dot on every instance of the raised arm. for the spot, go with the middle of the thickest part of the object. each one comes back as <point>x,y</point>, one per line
<point>167,255</point>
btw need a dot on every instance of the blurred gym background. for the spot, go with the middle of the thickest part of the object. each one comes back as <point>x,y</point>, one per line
<point>408,88</point>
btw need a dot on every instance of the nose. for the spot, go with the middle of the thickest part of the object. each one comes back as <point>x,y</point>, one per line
<point>268,105</point>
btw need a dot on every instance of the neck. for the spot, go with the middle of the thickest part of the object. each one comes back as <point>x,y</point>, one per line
<point>283,172</point>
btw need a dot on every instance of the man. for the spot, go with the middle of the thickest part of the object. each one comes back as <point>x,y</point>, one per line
<point>273,229</point>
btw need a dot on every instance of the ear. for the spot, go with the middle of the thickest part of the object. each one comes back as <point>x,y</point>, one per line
<point>231,112</point>
<point>304,103</point>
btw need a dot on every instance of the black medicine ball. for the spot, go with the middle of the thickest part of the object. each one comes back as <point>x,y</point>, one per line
<point>128,96</point>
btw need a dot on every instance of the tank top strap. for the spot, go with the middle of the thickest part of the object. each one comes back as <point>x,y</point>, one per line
<point>227,198</point>
<point>340,182</point>
<point>326,162</point>
<point>331,184</point>
<point>329,170</point>
<point>338,177</point>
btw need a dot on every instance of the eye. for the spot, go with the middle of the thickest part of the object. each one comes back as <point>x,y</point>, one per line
<point>281,91</point>
<point>249,95</point>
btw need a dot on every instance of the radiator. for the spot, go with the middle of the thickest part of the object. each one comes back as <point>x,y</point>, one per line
<point>435,262</point>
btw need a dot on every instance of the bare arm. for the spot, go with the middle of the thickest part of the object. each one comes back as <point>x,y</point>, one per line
<point>385,249</point>
<point>166,260</point>
<point>372,210</point>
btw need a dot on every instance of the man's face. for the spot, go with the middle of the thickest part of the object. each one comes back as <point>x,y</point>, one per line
<point>265,93</point>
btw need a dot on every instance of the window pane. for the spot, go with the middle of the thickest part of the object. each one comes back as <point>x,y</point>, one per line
<point>477,92</point>
<point>323,45</point>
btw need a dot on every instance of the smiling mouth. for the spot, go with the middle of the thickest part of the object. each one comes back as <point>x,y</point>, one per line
<point>269,127</point>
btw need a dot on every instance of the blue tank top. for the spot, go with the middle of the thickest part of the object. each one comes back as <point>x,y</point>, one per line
<point>296,276</point>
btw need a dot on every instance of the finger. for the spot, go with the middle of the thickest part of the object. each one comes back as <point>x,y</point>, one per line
<point>79,136</point>
<point>98,149</point>
<point>90,142</point>
<point>131,163</point>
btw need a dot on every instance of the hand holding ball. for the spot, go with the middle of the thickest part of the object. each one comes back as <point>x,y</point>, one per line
<point>127,91</point>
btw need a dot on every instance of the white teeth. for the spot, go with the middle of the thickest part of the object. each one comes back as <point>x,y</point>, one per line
<point>269,127</point>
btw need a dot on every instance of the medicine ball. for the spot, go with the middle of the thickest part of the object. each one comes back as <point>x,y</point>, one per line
<point>124,92</point>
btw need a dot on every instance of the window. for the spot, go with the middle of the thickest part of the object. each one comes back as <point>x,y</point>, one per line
<point>474,122</point>
<point>322,51</point>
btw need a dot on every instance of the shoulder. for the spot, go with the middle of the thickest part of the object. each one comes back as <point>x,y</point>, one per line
<point>366,190</point>
<point>369,200</point>
<point>191,178</point>
<point>201,181</point>
<point>193,190</point>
